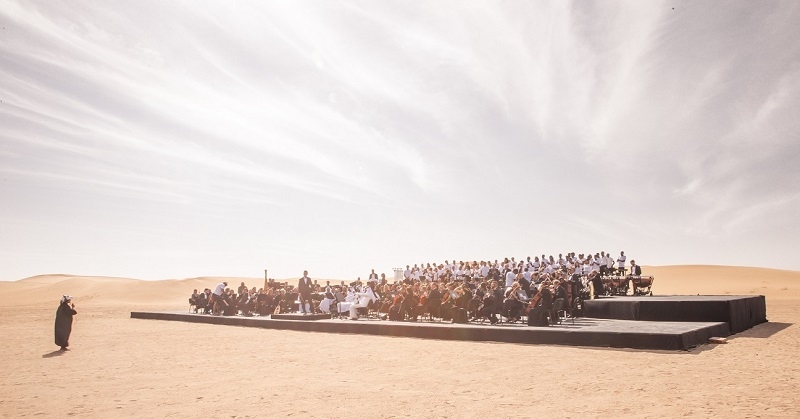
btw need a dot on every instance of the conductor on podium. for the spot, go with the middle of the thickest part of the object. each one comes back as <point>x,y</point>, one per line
<point>304,288</point>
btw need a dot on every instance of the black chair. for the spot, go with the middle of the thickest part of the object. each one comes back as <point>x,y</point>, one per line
<point>472,307</point>
<point>433,308</point>
<point>558,306</point>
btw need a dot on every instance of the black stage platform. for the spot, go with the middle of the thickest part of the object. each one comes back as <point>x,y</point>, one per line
<point>585,331</point>
<point>300,316</point>
<point>740,312</point>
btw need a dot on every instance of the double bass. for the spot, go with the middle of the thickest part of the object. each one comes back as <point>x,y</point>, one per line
<point>534,300</point>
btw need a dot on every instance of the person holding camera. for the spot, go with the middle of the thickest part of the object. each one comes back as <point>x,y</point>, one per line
<point>63,329</point>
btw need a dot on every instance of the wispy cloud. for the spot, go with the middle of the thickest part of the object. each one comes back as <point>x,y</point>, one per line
<point>361,131</point>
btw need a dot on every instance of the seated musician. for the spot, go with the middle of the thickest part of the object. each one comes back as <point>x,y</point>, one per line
<point>362,300</point>
<point>597,282</point>
<point>230,300</point>
<point>201,302</point>
<point>513,302</point>
<point>434,300</point>
<point>560,291</point>
<point>396,309</point>
<point>193,298</point>
<point>540,306</point>
<point>208,294</point>
<point>410,303</point>
<point>636,270</point>
<point>422,297</point>
<point>474,303</point>
<point>497,297</point>
<point>449,295</point>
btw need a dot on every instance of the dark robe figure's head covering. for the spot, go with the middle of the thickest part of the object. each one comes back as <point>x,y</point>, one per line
<point>65,298</point>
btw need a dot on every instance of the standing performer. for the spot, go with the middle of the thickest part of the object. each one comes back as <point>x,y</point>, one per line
<point>304,288</point>
<point>621,263</point>
<point>64,321</point>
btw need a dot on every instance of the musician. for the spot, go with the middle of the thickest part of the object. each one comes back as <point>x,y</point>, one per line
<point>597,282</point>
<point>362,299</point>
<point>434,299</point>
<point>560,291</point>
<point>449,294</point>
<point>498,295</point>
<point>474,304</point>
<point>513,303</point>
<point>409,306</point>
<point>304,288</point>
<point>621,263</point>
<point>396,309</point>
<point>636,270</point>
<point>540,306</point>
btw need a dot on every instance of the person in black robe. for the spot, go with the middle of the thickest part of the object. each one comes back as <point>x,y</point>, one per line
<point>64,321</point>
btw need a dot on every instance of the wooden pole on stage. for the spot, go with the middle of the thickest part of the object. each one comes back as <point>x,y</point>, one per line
<point>266,280</point>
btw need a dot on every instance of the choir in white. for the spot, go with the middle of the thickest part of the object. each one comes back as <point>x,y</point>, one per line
<point>581,264</point>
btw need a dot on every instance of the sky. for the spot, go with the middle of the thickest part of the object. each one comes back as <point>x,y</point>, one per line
<point>176,139</point>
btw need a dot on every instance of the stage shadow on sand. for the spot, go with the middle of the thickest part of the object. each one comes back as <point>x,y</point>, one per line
<point>763,330</point>
<point>57,352</point>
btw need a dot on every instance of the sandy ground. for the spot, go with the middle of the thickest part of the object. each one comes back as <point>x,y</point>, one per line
<point>123,367</point>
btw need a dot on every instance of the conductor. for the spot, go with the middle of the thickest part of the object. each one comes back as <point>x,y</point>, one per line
<point>304,288</point>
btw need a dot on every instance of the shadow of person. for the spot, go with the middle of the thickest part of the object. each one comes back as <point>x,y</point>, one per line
<point>57,352</point>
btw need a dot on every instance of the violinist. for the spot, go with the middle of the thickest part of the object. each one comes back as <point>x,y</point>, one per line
<point>513,303</point>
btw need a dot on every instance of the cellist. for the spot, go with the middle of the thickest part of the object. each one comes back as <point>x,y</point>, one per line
<point>540,306</point>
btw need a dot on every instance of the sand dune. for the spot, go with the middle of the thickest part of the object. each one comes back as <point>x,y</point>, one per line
<point>121,367</point>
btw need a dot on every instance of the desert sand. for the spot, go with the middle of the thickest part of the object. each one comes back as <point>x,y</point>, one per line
<point>123,367</point>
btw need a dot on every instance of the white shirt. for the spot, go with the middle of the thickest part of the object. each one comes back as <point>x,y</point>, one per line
<point>510,277</point>
<point>219,289</point>
<point>621,260</point>
<point>586,268</point>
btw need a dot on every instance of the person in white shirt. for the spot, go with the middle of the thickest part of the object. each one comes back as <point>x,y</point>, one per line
<point>586,267</point>
<point>362,299</point>
<point>609,262</point>
<point>219,289</point>
<point>527,275</point>
<point>596,262</point>
<point>603,263</point>
<point>549,269</point>
<point>511,276</point>
<point>407,273</point>
<point>621,263</point>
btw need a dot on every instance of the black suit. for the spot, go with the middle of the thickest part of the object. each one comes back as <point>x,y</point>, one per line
<point>304,288</point>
